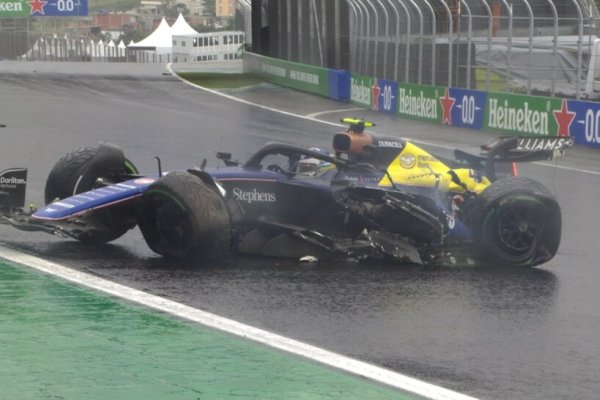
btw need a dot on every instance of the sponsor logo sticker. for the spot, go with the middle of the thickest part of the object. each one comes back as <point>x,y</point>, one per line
<point>144,181</point>
<point>532,144</point>
<point>408,160</point>
<point>389,143</point>
<point>253,196</point>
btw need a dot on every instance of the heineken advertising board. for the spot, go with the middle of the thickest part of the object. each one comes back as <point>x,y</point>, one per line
<point>43,8</point>
<point>524,115</point>
<point>376,94</point>
<point>420,102</point>
<point>467,108</point>
<point>385,96</point>
<point>582,121</point>
<point>361,90</point>
<point>505,113</point>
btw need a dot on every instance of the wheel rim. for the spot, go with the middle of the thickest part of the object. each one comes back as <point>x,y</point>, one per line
<point>172,225</point>
<point>519,227</point>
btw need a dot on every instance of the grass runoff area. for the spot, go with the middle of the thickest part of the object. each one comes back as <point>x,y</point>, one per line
<point>62,341</point>
<point>216,80</point>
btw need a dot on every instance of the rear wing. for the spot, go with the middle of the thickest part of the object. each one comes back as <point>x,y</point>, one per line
<point>13,182</point>
<point>514,149</point>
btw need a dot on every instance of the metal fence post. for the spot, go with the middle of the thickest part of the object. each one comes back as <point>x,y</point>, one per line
<point>387,35</point>
<point>579,48</point>
<point>450,39</point>
<point>469,42</point>
<point>530,61</point>
<point>433,35</point>
<point>354,32</point>
<point>407,49</point>
<point>376,17</point>
<point>421,34</point>
<point>397,41</point>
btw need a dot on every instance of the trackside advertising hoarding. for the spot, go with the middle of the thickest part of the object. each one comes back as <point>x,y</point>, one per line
<point>466,108</point>
<point>377,94</point>
<point>524,115</point>
<point>582,119</point>
<point>504,113</point>
<point>361,90</point>
<point>43,8</point>
<point>14,9</point>
<point>420,102</point>
<point>306,78</point>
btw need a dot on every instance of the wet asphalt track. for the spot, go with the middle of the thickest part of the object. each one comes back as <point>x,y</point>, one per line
<point>490,333</point>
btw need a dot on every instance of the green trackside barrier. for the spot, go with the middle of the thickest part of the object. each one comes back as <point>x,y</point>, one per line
<point>60,341</point>
<point>15,9</point>
<point>306,78</point>
<point>516,114</point>
<point>332,83</point>
<point>420,102</point>
<point>361,90</point>
<point>504,113</point>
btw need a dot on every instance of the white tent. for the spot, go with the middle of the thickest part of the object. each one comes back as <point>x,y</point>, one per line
<point>159,41</point>
<point>181,27</point>
<point>111,50</point>
<point>98,50</point>
<point>121,49</point>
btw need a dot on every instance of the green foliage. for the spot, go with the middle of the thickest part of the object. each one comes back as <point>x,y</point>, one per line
<point>209,7</point>
<point>172,9</point>
<point>228,25</point>
<point>136,36</point>
<point>204,28</point>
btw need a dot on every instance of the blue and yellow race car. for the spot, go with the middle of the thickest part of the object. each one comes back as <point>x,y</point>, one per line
<point>369,197</point>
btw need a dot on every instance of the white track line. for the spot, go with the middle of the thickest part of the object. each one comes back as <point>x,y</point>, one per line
<point>338,361</point>
<point>227,96</point>
<point>339,110</point>
<point>312,117</point>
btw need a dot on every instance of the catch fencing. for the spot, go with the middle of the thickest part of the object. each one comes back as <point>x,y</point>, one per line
<point>531,46</point>
<point>546,47</point>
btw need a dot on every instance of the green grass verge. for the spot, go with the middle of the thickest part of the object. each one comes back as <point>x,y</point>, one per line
<point>215,80</point>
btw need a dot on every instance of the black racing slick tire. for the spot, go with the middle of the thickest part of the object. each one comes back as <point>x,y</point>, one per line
<point>181,217</point>
<point>517,223</point>
<point>78,172</point>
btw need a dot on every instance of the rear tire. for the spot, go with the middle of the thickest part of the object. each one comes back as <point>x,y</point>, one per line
<point>517,223</point>
<point>181,217</point>
<point>77,172</point>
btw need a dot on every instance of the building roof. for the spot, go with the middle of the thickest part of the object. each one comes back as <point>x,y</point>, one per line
<point>161,40</point>
<point>181,27</point>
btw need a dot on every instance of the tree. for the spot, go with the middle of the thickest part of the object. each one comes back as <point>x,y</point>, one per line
<point>171,9</point>
<point>209,7</point>
<point>136,36</point>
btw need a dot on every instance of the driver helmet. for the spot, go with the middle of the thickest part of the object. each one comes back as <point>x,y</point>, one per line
<point>312,166</point>
<point>308,167</point>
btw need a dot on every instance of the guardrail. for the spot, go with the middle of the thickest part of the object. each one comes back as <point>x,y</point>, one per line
<point>505,113</point>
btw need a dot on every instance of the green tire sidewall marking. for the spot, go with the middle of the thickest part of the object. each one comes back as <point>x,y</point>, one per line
<point>170,196</point>
<point>129,167</point>
<point>511,200</point>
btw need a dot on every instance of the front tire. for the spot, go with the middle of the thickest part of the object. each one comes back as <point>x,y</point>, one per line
<point>181,217</point>
<point>77,172</point>
<point>517,223</point>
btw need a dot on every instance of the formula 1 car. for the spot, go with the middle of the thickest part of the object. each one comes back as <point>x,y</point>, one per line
<point>371,197</point>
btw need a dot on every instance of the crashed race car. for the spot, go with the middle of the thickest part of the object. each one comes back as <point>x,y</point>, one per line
<point>371,197</point>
